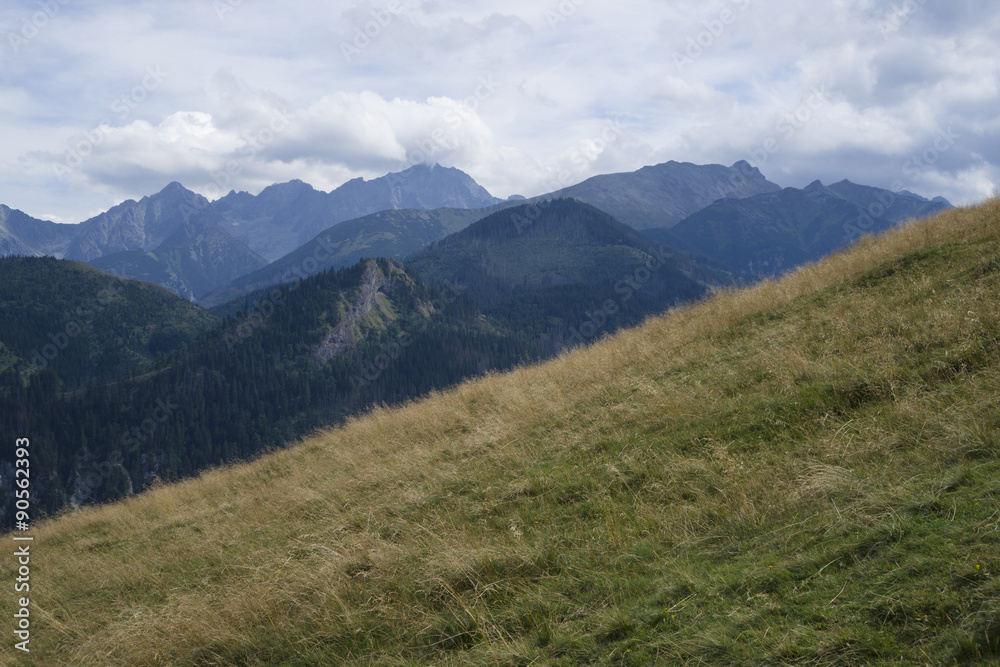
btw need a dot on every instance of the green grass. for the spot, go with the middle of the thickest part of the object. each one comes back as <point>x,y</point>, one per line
<point>806,472</point>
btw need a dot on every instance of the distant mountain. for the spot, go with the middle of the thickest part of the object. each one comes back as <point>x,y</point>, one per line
<point>24,236</point>
<point>194,260</point>
<point>70,318</point>
<point>214,251</point>
<point>171,238</point>
<point>770,233</point>
<point>182,241</point>
<point>548,269</point>
<point>283,217</point>
<point>393,234</point>
<point>135,225</point>
<point>662,195</point>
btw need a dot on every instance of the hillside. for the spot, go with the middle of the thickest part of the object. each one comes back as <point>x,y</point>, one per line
<point>304,356</point>
<point>804,472</point>
<point>393,234</point>
<point>85,325</point>
<point>770,233</point>
<point>558,268</point>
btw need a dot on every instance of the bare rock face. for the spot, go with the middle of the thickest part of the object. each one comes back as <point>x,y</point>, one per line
<point>374,283</point>
<point>137,225</point>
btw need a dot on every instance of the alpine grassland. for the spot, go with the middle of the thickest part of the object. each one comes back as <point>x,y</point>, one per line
<point>805,471</point>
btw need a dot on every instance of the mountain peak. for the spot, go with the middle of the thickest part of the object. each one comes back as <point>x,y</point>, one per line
<point>293,185</point>
<point>172,190</point>
<point>745,167</point>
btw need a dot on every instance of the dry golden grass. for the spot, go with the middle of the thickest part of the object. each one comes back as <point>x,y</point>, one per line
<point>549,513</point>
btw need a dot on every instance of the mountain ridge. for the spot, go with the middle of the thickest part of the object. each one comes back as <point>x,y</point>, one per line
<point>768,234</point>
<point>661,195</point>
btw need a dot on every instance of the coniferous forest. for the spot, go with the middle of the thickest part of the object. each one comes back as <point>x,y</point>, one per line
<point>144,385</point>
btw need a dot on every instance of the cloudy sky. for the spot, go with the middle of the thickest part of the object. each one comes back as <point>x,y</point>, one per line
<point>104,100</point>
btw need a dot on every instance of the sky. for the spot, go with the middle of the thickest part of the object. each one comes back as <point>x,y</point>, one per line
<point>102,101</point>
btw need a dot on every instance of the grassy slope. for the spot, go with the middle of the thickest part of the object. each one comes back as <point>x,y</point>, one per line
<point>803,472</point>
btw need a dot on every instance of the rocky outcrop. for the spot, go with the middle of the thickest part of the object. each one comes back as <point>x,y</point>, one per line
<point>374,282</point>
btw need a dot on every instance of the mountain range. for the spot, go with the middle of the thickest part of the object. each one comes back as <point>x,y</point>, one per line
<point>122,384</point>
<point>661,196</point>
<point>729,218</point>
<point>180,240</point>
<point>769,233</point>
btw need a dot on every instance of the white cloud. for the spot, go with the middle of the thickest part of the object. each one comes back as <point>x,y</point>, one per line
<point>558,72</point>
